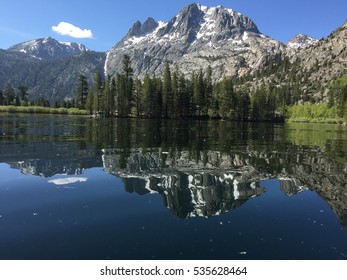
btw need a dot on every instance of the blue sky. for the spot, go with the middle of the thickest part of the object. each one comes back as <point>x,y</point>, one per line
<point>102,23</point>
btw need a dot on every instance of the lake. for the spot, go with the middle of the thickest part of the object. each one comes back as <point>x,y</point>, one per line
<point>81,188</point>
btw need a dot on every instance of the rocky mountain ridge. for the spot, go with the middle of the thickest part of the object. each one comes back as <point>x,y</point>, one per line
<point>198,36</point>
<point>301,41</point>
<point>311,67</point>
<point>328,57</point>
<point>53,79</point>
<point>49,49</point>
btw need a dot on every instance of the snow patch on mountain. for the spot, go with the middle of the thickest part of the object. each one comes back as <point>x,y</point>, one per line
<point>301,41</point>
<point>75,46</point>
<point>208,24</point>
<point>148,37</point>
<point>197,36</point>
<point>49,49</point>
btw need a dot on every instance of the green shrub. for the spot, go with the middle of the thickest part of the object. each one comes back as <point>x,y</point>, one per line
<point>42,110</point>
<point>313,113</point>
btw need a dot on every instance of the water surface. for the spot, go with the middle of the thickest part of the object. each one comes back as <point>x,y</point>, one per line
<point>80,188</point>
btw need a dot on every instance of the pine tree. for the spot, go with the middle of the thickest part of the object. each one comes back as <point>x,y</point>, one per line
<point>338,90</point>
<point>199,93</point>
<point>23,94</point>
<point>158,97</point>
<point>8,94</point>
<point>90,102</point>
<point>263,104</point>
<point>226,98</point>
<point>138,97</point>
<point>128,84</point>
<point>98,94</point>
<point>120,89</point>
<point>192,88</point>
<point>184,97</point>
<point>43,102</point>
<point>56,104</point>
<point>175,94</point>
<point>215,100</point>
<point>124,83</point>
<point>167,92</point>
<point>81,92</point>
<point>242,107</point>
<point>1,98</point>
<point>208,90</point>
<point>148,97</point>
<point>113,91</point>
<point>107,100</point>
<point>341,101</point>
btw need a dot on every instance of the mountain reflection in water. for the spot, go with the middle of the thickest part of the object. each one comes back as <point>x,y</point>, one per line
<point>200,169</point>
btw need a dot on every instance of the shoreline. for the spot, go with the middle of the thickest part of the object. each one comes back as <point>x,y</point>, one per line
<point>42,110</point>
<point>78,112</point>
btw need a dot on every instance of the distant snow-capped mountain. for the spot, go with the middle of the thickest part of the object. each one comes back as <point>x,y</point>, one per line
<point>49,49</point>
<point>197,36</point>
<point>301,41</point>
<point>48,68</point>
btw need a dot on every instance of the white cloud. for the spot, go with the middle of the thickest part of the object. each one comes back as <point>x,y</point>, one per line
<point>68,29</point>
<point>69,180</point>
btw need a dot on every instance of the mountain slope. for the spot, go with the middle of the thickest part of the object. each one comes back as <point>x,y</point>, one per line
<point>305,73</point>
<point>49,49</point>
<point>301,41</point>
<point>324,61</point>
<point>328,55</point>
<point>57,79</point>
<point>198,36</point>
<point>51,79</point>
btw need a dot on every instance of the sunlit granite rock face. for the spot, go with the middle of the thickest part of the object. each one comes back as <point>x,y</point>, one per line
<point>197,36</point>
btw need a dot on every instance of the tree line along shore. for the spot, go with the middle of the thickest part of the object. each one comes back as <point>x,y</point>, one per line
<point>174,95</point>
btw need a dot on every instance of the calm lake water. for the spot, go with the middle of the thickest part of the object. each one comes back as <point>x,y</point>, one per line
<point>79,188</point>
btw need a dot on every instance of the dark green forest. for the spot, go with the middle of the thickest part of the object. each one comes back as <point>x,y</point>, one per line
<point>173,95</point>
<point>176,96</point>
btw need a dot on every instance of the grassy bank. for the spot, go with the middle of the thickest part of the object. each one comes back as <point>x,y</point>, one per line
<point>42,110</point>
<point>308,113</point>
<point>314,113</point>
